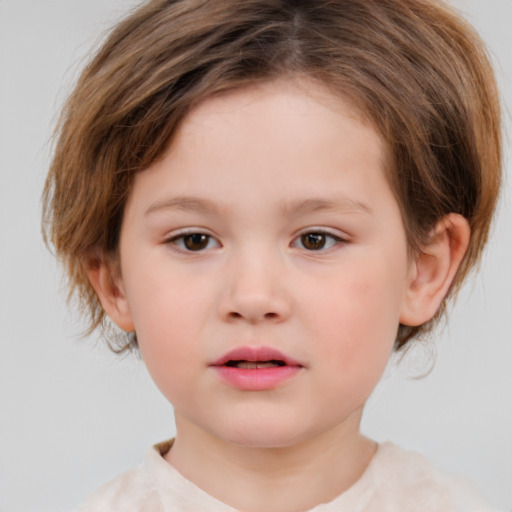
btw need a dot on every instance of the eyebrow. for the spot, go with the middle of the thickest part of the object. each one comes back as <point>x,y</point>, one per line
<point>292,209</point>
<point>315,205</point>
<point>186,204</point>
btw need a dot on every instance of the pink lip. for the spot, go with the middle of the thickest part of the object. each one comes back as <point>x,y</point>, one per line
<point>256,379</point>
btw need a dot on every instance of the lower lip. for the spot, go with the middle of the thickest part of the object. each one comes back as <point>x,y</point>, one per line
<point>256,379</point>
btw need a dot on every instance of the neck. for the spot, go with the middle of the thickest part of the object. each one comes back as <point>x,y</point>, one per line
<point>285,479</point>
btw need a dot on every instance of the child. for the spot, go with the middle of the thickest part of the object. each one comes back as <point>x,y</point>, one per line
<point>269,197</point>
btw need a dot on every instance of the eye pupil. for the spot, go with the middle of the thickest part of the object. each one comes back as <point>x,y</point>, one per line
<point>313,241</point>
<point>196,241</point>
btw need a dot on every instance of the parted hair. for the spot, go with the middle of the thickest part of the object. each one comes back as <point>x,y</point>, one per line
<point>413,68</point>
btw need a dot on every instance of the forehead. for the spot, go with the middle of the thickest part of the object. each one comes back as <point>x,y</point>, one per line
<point>285,97</point>
<point>282,117</point>
<point>283,143</point>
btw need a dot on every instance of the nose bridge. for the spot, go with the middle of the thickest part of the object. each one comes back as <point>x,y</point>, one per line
<point>254,290</point>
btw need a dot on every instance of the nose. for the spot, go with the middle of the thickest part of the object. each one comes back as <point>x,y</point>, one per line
<point>254,291</point>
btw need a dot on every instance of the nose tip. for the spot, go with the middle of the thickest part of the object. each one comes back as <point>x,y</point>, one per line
<point>254,296</point>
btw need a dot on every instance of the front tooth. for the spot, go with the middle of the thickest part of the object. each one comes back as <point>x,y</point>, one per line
<point>267,365</point>
<point>247,365</point>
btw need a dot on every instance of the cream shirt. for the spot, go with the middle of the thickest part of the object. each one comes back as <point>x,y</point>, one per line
<point>395,481</point>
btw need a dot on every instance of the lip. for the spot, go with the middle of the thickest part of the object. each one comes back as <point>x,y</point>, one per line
<point>256,379</point>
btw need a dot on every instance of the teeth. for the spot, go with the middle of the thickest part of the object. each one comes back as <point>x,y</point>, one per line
<point>255,364</point>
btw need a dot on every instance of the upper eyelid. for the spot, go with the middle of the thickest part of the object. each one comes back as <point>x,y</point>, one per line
<point>204,231</point>
<point>324,231</point>
<point>177,233</point>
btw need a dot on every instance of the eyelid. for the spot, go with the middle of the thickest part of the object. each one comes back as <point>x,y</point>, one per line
<point>339,238</point>
<point>171,238</point>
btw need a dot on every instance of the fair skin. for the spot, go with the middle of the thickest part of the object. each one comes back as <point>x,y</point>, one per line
<point>269,222</point>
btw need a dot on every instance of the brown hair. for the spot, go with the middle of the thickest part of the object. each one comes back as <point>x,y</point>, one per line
<point>416,70</point>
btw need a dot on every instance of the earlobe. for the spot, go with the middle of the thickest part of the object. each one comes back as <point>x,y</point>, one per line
<point>107,283</point>
<point>434,268</point>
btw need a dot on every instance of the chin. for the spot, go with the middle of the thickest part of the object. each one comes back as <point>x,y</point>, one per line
<point>272,434</point>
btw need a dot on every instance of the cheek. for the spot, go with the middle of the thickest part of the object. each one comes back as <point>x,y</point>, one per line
<point>357,316</point>
<point>162,297</point>
<point>167,330</point>
<point>169,315</point>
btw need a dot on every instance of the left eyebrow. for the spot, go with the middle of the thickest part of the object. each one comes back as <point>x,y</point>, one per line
<point>186,204</point>
<point>315,205</point>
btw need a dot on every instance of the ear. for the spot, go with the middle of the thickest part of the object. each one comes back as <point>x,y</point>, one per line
<point>105,277</point>
<point>433,269</point>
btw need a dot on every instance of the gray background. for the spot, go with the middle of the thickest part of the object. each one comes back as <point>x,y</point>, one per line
<point>73,416</point>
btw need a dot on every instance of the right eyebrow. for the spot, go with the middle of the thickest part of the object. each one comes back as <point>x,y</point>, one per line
<point>185,204</point>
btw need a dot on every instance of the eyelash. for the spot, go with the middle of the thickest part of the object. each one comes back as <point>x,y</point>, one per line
<point>178,242</point>
<point>335,240</point>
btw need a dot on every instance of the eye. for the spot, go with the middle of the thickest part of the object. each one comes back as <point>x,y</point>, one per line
<point>193,242</point>
<point>316,241</point>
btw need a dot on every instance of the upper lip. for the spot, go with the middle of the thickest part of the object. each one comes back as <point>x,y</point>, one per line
<point>255,354</point>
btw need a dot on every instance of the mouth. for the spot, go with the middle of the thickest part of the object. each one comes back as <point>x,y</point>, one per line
<point>256,369</point>
<point>255,365</point>
<point>255,358</point>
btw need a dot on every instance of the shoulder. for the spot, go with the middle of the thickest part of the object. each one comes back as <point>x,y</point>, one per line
<point>132,491</point>
<point>129,492</point>
<point>155,486</point>
<point>408,480</point>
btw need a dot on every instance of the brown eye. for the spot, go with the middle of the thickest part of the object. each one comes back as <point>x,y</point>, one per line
<point>193,242</point>
<point>317,241</point>
<point>313,241</point>
<point>196,242</point>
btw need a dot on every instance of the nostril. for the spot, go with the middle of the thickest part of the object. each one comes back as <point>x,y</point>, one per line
<point>266,316</point>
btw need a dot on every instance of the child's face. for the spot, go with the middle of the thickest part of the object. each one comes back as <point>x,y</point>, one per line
<point>268,223</point>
